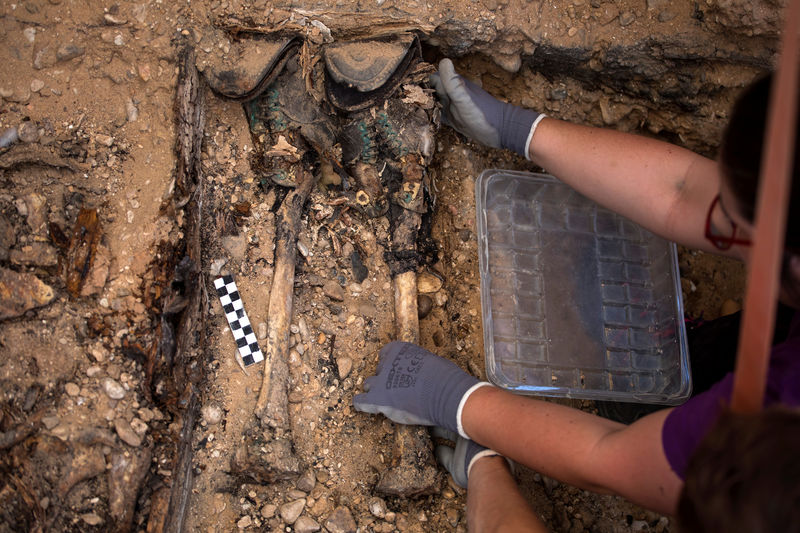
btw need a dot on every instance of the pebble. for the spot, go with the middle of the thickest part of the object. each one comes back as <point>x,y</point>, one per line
<point>30,34</point>
<point>262,330</point>
<point>341,521</point>
<point>28,132</point>
<point>428,283</point>
<point>212,414</point>
<point>131,111</point>
<point>306,524</point>
<point>333,290</point>
<point>69,51</point>
<point>626,18</point>
<point>8,137</point>
<point>268,511</point>
<point>424,305</point>
<point>114,390</point>
<point>72,389</point>
<point>92,519</point>
<point>302,325</point>
<point>244,522</point>
<point>50,422</point>
<point>105,140</point>
<point>291,511</point>
<point>377,507</point>
<point>139,426</point>
<point>126,433</point>
<point>344,365</point>
<point>307,481</point>
<point>36,85</point>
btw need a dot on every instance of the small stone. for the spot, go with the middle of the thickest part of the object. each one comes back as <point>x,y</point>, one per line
<point>50,422</point>
<point>321,338</point>
<point>424,305</point>
<point>341,521</point>
<point>333,290</point>
<point>144,72</point>
<point>377,507</point>
<point>30,34</point>
<point>306,524</point>
<point>268,511</point>
<point>105,140</point>
<point>126,433</point>
<point>244,522</point>
<point>428,283</point>
<point>212,414</point>
<point>131,111</point>
<point>139,426</point>
<point>627,18</point>
<point>118,40</point>
<point>92,519</point>
<point>69,51</point>
<point>72,389</point>
<point>344,365</point>
<point>307,481</point>
<point>28,132</point>
<point>36,85</point>
<point>291,511</point>
<point>114,390</point>
<point>113,20</point>
<point>261,330</point>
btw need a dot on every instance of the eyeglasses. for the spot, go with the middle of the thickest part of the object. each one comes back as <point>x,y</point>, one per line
<point>722,238</point>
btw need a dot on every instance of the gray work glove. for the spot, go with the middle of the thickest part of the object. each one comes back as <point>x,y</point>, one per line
<point>414,386</point>
<point>460,459</point>
<point>479,115</point>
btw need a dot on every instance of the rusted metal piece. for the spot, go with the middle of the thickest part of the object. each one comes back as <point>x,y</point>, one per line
<point>272,404</point>
<point>82,246</point>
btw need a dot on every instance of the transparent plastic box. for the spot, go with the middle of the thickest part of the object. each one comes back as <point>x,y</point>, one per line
<point>578,302</point>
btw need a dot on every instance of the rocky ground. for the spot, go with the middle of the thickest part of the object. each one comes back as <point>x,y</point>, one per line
<point>122,400</point>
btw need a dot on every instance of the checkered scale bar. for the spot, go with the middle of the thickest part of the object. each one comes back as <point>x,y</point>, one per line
<point>237,319</point>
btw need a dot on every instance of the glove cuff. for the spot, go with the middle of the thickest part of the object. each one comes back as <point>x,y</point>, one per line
<point>530,136</point>
<point>489,453</point>
<point>463,401</point>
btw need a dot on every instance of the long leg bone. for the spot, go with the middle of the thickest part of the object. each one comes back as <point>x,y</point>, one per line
<point>272,406</point>
<point>413,470</point>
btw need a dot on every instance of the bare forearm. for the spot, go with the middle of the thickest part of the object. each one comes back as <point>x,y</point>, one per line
<point>494,503</point>
<point>575,447</point>
<point>663,187</point>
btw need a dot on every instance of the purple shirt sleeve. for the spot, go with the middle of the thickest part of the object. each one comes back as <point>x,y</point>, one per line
<point>687,424</point>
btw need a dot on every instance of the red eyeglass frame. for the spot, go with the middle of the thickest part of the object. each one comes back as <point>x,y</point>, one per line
<point>719,242</point>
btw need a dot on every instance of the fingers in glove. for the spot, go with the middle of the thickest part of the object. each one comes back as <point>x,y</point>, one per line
<point>453,83</point>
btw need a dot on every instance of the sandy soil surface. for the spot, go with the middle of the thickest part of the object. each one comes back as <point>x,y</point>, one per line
<point>92,232</point>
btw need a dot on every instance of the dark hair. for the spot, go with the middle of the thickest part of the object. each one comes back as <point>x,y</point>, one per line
<point>740,157</point>
<point>745,476</point>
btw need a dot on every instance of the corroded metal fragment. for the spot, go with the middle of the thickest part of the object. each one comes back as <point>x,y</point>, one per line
<point>82,246</point>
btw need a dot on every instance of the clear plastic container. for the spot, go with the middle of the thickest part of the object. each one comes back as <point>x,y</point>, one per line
<point>578,302</point>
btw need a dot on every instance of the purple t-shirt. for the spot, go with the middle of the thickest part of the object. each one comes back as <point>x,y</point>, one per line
<point>687,424</point>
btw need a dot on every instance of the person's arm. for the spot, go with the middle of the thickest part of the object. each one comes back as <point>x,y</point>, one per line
<point>575,447</point>
<point>494,503</point>
<point>665,188</point>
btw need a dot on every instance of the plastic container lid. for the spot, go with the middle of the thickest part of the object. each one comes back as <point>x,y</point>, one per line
<point>578,301</point>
